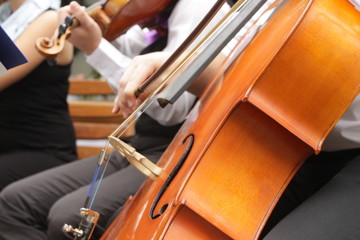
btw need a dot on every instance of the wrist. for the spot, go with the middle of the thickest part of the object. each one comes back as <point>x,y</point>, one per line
<point>92,46</point>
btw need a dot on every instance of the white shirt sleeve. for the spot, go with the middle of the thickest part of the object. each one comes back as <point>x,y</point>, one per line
<point>346,133</point>
<point>184,18</point>
<point>111,60</point>
<point>356,3</point>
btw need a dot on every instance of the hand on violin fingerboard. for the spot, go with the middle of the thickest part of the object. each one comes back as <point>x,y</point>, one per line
<point>87,35</point>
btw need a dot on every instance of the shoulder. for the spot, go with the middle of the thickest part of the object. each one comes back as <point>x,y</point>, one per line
<point>47,18</point>
<point>42,26</point>
<point>45,22</point>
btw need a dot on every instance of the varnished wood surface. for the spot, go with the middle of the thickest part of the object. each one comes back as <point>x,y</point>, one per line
<point>277,104</point>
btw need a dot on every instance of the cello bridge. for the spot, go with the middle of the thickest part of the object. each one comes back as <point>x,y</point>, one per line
<point>139,161</point>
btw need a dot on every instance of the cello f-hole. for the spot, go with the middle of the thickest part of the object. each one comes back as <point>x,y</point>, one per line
<point>171,177</point>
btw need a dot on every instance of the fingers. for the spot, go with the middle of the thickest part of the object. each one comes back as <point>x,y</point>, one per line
<point>80,13</point>
<point>87,35</point>
<point>141,68</point>
<point>116,107</point>
<point>68,10</point>
<point>74,5</point>
<point>63,13</point>
<point>125,98</point>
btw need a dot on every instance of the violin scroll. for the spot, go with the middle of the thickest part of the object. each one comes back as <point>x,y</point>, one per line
<point>114,17</point>
<point>50,48</point>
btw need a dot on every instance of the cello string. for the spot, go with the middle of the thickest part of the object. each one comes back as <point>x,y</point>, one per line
<point>142,107</point>
<point>124,126</point>
<point>131,119</point>
<point>150,99</point>
<point>88,196</point>
<point>92,195</point>
<point>185,45</point>
<point>185,58</point>
<point>99,182</point>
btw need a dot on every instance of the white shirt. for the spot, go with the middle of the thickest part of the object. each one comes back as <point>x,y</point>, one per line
<point>356,3</point>
<point>112,59</point>
<point>346,133</point>
<point>15,23</point>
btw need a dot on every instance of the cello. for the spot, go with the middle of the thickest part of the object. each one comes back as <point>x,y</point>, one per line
<point>248,135</point>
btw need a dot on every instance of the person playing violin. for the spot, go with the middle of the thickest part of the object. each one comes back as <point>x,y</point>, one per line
<point>322,200</point>
<point>39,206</point>
<point>35,126</point>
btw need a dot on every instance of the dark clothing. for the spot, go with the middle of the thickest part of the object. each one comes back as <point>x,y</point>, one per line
<point>34,112</point>
<point>321,202</point>
<point>34,118</point>
<point>18,165</point>
<point>56,195</point>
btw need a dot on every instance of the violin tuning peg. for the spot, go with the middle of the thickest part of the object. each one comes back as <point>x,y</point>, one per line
<point>62,29</point>
<point>69,21</point>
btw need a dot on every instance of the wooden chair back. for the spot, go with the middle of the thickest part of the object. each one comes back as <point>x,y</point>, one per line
<point>91,114</point>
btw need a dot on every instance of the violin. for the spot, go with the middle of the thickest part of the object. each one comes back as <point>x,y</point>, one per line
<point>246,137</point>
<point>114,17</point>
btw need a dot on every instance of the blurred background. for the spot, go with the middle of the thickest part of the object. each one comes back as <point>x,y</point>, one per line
<point>80,69</point>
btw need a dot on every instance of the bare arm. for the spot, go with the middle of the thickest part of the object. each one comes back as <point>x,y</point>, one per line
<point>43,26</point>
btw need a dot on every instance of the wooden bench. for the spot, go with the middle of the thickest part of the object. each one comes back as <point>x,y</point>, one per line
<point>91,114</point>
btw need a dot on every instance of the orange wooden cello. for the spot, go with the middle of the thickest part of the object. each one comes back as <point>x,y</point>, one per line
<point>247,136</point>
<point>114,17</point>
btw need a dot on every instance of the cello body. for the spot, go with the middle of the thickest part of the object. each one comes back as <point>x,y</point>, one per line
<point>248,134</point>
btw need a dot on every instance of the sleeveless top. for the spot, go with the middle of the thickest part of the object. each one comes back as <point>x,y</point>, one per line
<point>34,113</point>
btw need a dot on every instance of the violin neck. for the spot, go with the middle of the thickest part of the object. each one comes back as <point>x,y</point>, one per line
<point>96,5</point>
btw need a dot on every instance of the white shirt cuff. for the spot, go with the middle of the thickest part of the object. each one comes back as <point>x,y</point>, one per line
<point>109,62</point>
